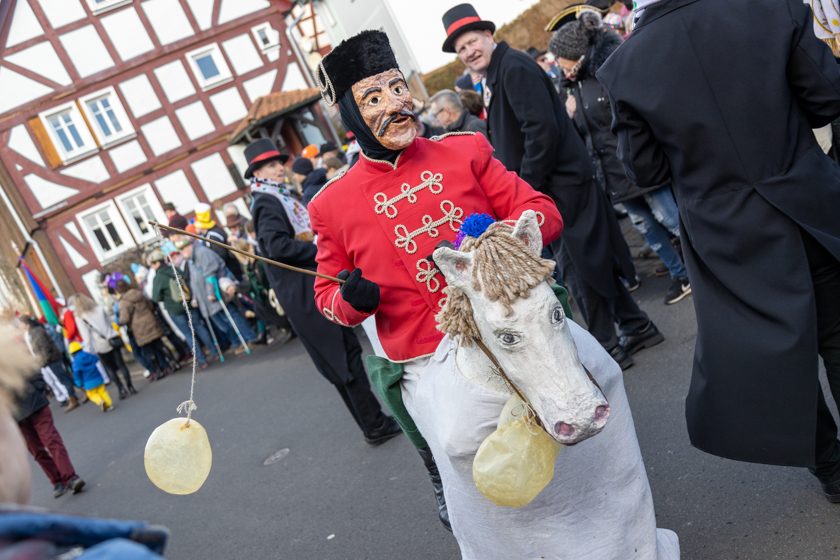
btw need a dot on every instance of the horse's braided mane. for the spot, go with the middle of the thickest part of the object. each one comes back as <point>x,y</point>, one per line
<point>503,269</point>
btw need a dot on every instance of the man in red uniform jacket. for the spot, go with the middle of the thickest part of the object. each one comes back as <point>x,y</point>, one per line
<point>378,223</point>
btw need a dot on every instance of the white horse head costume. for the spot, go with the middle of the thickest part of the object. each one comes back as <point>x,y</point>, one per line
<point>500,308</point>
<point>499,294</point>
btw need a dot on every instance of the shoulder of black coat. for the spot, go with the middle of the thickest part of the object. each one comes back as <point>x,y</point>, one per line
<point>340,174</point>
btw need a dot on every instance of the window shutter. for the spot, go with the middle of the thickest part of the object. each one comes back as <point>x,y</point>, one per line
<point>43,139</point>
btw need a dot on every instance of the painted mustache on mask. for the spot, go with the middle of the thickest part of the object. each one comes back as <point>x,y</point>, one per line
<point>392,118</point>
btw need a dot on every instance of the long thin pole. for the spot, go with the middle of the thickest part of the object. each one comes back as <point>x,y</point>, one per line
<point>247,254</point>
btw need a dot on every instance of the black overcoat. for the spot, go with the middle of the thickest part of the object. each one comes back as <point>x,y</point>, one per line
<point>335,350</point>
<point>726,112</point>
<point>593,120</point>
<point>533,136</point>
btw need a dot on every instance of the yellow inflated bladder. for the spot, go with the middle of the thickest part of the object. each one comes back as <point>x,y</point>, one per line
<point>178,456</point>
<point>516,462</point>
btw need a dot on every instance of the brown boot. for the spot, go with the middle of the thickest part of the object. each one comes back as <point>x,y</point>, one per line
<point>72,404</point>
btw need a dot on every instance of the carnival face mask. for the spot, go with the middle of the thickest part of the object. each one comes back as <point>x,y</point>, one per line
<point>385,105</point>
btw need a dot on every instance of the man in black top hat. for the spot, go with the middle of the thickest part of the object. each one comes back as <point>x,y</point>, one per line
<point>532,135</point>
<point>283,233</point>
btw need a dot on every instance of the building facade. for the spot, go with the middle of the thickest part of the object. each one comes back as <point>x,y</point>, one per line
<point>109,108</point>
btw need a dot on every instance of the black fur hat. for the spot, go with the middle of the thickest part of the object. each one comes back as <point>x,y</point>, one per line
<point>359,57</point>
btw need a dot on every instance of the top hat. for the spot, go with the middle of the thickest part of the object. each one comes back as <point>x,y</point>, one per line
<point>361,56</point>
<point>462,17</point>
<point>571,13</point>
<point>203,218</point>
<point>259,152</point>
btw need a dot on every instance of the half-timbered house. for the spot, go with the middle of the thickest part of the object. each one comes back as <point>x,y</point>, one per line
<point>109,108</point>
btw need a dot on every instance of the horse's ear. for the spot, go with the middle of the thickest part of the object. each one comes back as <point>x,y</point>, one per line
<point>527,230</point>
<point>455,265</point>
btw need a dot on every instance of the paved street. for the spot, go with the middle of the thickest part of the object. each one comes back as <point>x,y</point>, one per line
<point>334,498</point>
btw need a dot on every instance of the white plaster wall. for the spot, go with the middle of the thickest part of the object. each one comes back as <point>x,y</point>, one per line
<point>91,281</point>
<point>168,20</point>
<point>139,95</point>
<point>161,136</point>
<point>21,142</point>
<point>91,169</point>
<point>232,9</point>
<point>128,155</point>
<point>62,12</point>
<point>174,80</point>
<point>86,50</point>
<point>176,188</point>
<point>242,54</point>
<point>273,54</point>
<point>195,120</point>
<point>243,208</point>
<point>18,89</point>
<point>74,229</point>
<point>293,78</point>
<point>24,24</point>
<point>261,85</point>
<point>237,154</point>
<point>202,11</point>
<point>46,192</point>
<point>127,33</point>
<point>229,106</point>
<point>42,58</point>
<point>213,176</point>
<point>75,257</point>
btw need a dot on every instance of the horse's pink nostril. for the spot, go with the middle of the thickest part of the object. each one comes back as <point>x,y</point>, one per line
<point>563,429</point>
<point>602,412</point>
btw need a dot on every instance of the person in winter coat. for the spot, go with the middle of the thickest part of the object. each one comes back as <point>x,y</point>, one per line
<point>284,234</point>
<point>729,123</point>
<point>205,268</point>
<point>33,416</point>
<point>137,314</point>
<point>208,228</point>
<point>532,136</point>
<point>310,179</point>
<point>581,47</point>
<point>100,338</point>
<point>165,289</point>
<point>447,109</point>
<point>51,363</point>
<point>88,374</point>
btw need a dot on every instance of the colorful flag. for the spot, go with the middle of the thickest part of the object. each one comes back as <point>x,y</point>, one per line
<point>48,304</point>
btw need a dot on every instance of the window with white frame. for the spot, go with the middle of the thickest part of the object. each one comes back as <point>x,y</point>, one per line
<point>266,36</point>
<point>140,207</point>
<point>99,6</point>
<point>107,116</point>
<point>209,66</point>
<point>106,230</point>
<point>68,131</point>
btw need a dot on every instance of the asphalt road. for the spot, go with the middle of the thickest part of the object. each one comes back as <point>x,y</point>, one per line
<point>331,497</point>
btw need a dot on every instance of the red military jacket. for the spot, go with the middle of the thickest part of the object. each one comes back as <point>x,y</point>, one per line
<point>386,219</point>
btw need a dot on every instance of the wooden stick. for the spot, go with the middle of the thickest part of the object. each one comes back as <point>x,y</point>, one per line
<point>247,254</point>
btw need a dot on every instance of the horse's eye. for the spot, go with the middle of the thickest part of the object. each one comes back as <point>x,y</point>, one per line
<point>557,315</point>
<point>508,339</point>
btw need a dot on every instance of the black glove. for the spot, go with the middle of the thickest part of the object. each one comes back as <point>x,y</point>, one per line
<point>359,292</point>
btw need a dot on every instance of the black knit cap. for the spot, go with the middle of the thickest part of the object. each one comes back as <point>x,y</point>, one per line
<point>575,38</point>
<point>361,56</point>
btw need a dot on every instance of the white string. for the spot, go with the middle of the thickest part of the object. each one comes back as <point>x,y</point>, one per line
<point>188,405</point>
